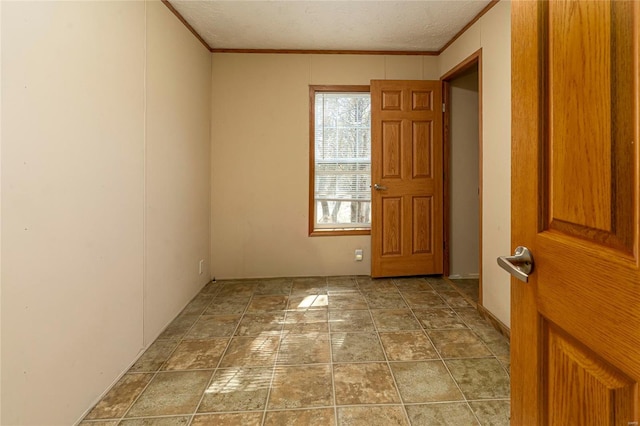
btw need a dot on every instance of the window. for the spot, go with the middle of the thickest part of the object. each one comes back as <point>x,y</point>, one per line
<point>340,160</point>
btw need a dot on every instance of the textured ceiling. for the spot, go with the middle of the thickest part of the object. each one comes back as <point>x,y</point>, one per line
<point>417,25</point>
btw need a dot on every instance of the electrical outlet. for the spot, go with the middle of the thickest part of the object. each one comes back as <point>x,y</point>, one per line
<point>200,266</point>
<point>358,255</point>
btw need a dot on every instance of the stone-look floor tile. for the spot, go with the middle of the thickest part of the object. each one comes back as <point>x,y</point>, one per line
<point>447,414</point>
<point>179,327</point>
<point>350,321</point>
<point>366,383</point>
<point>486,332</point>
<point>439,318</point>
<point>196,354</point>
<point>499,346</point>
<point>506,363</point>
<point>472,317</point>
<point>395,320</point>
<point>385,300</point>
<point>425,300</point>
<point>237,288</point>
<point>356,347</point>
<point>458,344</point>
<point>229,419</point>
<point>412,284</point>
<point>211,288</point>
<point>454,299</point>
<point>171,393</point>
<point>274,286</point>
<point>197,305</point>
<point>439,283</point>
<point>210,326</point>
<point>309,348</point>
<point>313,417</point>
<point>388,415</point>
<point>267,303</point>
<point>99,423</point>
<point>260,324</point>
<point>301,387</point>
<point>381,284</point>
<point>407,346</point>
<point>157,421</point>
<point>469,287</point>
<point>116,402</point>
<point>309,286</point>
<point>154,356</point>
<point>304,302</point>
<point>237,389</point>
<point>492,413</point>
<point>309,321</point>
<point>228,305</point>
<point>482,378</point>
<point>347,301</point>
<point>342,284</point>
<point>256,351</point>
<point>425,381</point>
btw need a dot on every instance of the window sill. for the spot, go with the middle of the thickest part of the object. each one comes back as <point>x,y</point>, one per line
<point>339,232</point>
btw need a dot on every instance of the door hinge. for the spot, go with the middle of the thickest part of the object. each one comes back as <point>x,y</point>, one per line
<point>444,107</point>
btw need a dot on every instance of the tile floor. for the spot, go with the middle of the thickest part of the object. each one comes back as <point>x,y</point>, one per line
<point>318,351</point>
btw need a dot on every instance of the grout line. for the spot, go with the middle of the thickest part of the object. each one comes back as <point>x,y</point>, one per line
<point>441,359</point>
<point>286,312</point>
<point>275,359</point>
<point>217,367</point>
<point>393,376</point>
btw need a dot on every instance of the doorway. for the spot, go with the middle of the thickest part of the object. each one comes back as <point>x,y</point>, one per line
<point>463,171</point>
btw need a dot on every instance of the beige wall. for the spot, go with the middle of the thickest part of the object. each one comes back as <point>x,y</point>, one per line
<point>464,249</point>
<point>492,33</point>
<point>79,128</point>
<point>178,82</point>
<point>260,156</point>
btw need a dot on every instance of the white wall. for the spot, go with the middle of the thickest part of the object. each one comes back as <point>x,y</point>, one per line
<point>464,250</point>
<point>178,82</point>
<point>75,110</point>
<point>72,191</point>
<point>492,33</point>
<point>260,161</point>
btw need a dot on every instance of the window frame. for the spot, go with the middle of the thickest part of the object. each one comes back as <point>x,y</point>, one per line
<point>313,89</point>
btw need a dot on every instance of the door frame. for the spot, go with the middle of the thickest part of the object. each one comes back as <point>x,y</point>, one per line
<point>472,60</point>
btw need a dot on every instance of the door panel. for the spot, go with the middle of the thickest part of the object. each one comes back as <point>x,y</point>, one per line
<point>575,132</point>
<point>406,160</point>
<point>577,379</point>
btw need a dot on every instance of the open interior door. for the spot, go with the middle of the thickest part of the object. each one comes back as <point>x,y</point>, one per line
<point>406,175</point>
<point>575,336</point>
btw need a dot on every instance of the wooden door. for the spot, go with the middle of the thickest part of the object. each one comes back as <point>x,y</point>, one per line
<point>575,335</point>
<point>406,164</point>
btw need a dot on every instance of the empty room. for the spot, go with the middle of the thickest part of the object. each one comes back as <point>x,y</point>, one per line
<point>319,212</point>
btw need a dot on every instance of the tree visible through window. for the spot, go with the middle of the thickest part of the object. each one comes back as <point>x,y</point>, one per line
<point>340,159</point>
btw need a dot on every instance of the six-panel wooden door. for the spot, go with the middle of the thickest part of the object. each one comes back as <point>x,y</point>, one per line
<point>406,175</point>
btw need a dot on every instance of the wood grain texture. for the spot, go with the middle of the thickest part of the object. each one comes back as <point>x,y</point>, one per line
<point>422,149</point>
<point>422,225</point>
<point>567,179</point>
<point>583,389</point>
<point>406,159</point>
<point>392,218</point>
<point>580,107</point>
<point>526,138</point>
